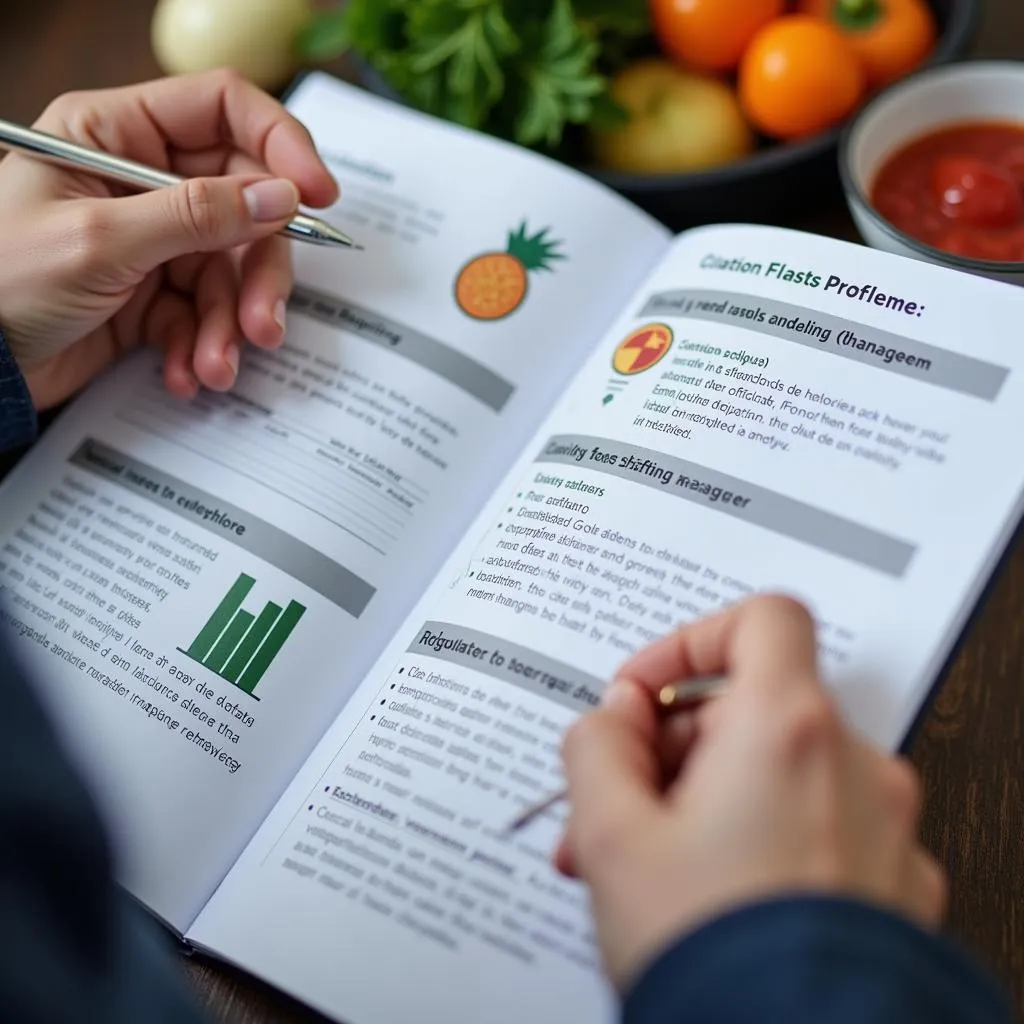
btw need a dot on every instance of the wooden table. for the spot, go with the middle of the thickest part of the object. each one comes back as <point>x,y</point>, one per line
<point>970,750</point>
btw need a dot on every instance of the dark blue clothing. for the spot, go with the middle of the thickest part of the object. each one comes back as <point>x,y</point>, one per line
<point>75,949</point>
<point>17,414</point>
<point>813,961</point>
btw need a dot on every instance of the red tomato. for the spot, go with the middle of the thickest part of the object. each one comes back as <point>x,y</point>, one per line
<point>977,193</point>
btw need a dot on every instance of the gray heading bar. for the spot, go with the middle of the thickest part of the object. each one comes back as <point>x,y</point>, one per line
<point>835,335</point>
<point>733,497</point>
<point>510,662</point>
<point>229,524</point>
<point>465,373</point>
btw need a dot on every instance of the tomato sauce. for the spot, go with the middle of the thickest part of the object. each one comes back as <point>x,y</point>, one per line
<point>959,189</point>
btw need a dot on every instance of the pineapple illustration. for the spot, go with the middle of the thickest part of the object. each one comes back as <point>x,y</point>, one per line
<point>494,284</point>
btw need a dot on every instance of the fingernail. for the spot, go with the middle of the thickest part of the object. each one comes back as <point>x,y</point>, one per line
<point>617,694</point>
<point>279,310</point>
<point>271,200</point>
<point>231,356</point>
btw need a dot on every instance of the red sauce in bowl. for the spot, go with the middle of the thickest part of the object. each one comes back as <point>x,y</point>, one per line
<point>959,189</point>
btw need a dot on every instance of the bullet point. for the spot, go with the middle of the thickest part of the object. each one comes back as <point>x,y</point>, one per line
<point>373,718</point>
<point>470,575</point>
<point>510,508</point>
<point>311,807</point>
<point>499,526</point>
<point>382,702</point>
<point>327,789</point>
<point>392,686</point>
<point>401,670</point>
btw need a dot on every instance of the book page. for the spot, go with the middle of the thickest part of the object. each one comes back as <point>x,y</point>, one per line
<point>771,412</point>
<point>199,586</point>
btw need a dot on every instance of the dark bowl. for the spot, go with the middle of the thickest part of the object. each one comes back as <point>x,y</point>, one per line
<point>775,181</point>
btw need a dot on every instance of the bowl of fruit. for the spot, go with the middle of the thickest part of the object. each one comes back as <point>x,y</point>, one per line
<point>696,110</point>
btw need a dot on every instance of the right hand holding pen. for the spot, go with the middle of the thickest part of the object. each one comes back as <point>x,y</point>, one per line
<point>763,793</point>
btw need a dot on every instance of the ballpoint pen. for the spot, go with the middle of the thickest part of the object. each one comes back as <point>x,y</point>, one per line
<point>55,150</point>
<point>672,698</point>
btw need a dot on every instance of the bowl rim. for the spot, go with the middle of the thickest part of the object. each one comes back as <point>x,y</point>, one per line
<point>854,192</point>
<point>961,28</point>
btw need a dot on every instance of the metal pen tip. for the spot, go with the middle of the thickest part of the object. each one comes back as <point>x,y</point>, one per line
<point>319,232</point>
<point>330,235</point>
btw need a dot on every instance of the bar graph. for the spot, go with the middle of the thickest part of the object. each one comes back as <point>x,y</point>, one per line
<point>239,646</point>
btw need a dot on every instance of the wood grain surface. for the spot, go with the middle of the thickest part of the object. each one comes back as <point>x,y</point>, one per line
<point>969,750</point>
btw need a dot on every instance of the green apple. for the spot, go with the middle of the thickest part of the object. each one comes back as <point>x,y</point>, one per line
<point>679,121</point>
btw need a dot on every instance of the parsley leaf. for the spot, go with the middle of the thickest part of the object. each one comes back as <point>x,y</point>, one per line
<point>524,70</point>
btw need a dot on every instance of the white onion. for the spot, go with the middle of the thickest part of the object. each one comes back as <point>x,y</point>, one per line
<point>254,37</point>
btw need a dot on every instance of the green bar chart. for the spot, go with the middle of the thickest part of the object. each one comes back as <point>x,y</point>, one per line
<point>240,646</point>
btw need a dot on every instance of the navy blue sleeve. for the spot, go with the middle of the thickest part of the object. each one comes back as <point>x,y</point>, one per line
<point>75,948</point>
<point>18,423</point>
<point>813,960</point>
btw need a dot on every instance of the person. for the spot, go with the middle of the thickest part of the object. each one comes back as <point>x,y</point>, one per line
<point>778,875</point>
<point>753,861</point>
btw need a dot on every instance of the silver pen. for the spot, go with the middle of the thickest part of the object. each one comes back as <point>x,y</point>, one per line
<point>675,697</point>
<point>55,150</point>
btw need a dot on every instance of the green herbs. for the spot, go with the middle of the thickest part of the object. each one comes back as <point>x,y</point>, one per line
<point>523,70</point>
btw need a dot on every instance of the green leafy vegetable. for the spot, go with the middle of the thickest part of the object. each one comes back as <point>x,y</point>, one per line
<point>523,70</point>
<point>324,36</point>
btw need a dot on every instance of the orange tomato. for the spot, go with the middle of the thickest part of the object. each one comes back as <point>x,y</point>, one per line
<point>710,35</point>
<point>799,77</point>
<point>891,37</point>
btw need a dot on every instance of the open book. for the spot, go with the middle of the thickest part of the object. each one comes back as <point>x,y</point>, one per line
<point>314,642</point>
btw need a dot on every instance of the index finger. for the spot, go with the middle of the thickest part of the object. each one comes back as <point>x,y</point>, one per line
<point>764,638</point>
<point>612,775</point>
<point>205,110</point>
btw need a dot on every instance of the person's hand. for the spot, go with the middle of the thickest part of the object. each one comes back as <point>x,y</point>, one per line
<point>88,270</point>
<point>761,793</point>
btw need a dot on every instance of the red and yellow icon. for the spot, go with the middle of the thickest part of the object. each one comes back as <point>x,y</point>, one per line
<point>642,349</point>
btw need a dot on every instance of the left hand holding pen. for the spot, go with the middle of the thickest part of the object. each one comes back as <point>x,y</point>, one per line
<point>88,270</point>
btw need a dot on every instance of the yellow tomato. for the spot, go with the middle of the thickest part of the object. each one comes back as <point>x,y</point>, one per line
<point>679,121</point>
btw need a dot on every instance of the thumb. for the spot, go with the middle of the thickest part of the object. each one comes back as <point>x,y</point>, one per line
<point>612,771</point>
<point>198,215</point>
